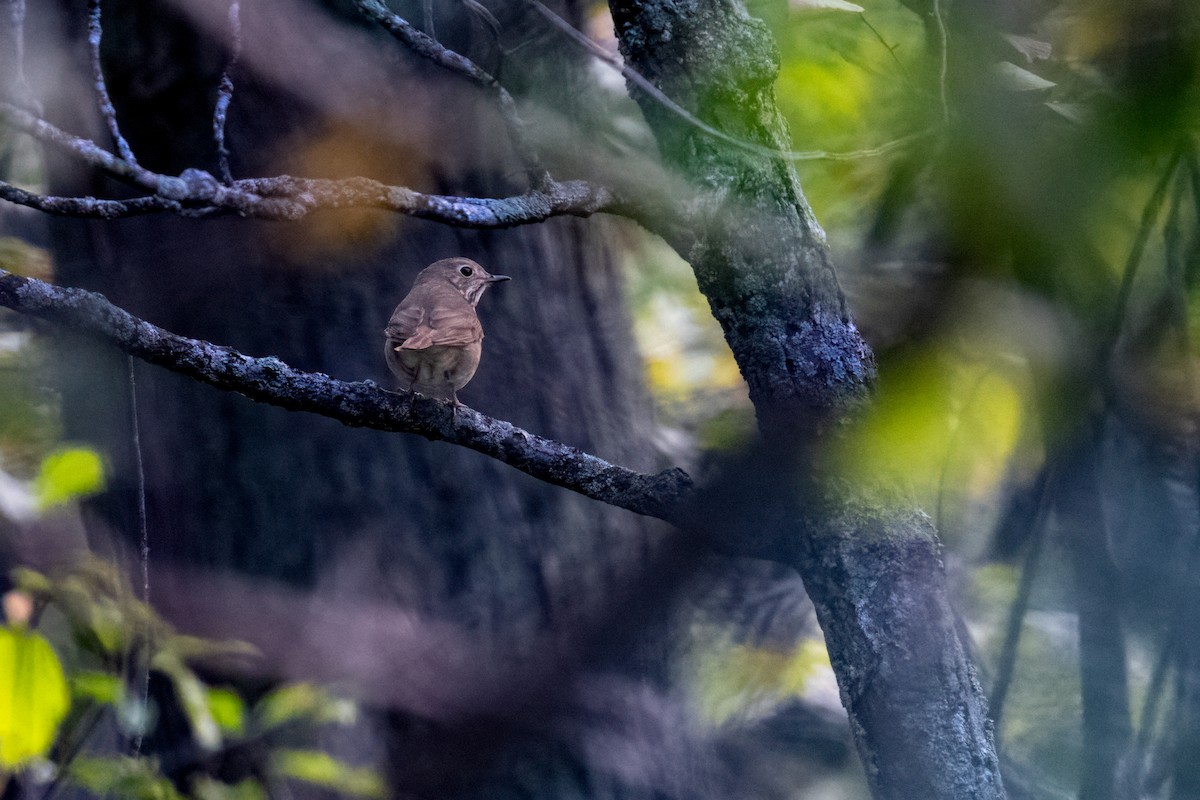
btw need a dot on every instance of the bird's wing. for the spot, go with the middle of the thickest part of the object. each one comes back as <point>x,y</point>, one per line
<point>404,322</point>
<point>446,326</point>
<point>455,326</point>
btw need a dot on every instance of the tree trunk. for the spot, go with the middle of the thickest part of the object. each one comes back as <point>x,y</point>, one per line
<point>874,573</point>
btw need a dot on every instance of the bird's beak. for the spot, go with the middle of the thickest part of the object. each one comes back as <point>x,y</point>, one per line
<point>498,278</point>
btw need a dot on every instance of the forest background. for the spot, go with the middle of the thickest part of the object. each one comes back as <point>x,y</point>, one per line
<point>1007,196</point>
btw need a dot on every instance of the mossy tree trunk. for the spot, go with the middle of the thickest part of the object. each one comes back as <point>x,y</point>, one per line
<point>873,571</point>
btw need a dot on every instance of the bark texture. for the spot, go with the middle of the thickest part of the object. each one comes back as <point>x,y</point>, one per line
<point>875,574</point>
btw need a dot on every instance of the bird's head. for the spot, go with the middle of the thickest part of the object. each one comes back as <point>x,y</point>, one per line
<point>463,274</point>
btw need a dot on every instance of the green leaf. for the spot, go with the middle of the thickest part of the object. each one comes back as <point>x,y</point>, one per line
<point>322,769</point>
<point>31,581</point>
<point>68,474</point>
<point>35,696</point>
<point>303,702</point>
<point>827,5</point>
<point>191,648</point>
<point>227,710</point>
<point>206,788</point>
<point>1032,49</point>
<point>98,686</point>
<point>193,696</point>
<point>1018,79</point>
<point>123,776</point>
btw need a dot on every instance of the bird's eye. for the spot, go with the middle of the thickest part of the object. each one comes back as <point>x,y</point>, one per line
<point>466,272</point>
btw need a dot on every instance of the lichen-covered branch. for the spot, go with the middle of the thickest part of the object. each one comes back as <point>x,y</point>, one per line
<point>107,110</point>
<point>359,404</point>
<point>89,207</point>
<point>225,93</point>
<point>197,193</point>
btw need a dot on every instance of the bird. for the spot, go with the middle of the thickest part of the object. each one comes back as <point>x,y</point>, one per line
<point>434,338</point>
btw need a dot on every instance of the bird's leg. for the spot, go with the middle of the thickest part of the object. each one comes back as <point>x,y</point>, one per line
<point>412,396</point>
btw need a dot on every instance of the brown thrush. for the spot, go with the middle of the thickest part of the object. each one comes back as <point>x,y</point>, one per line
<point>434,338</point>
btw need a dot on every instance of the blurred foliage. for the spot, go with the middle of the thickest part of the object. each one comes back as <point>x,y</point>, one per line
<point>946,429</point>
<point>68,474</point>
<point>122,776</point>
<point>21,258</point>
<point>1013,204</point>
<point>1016,191</point>
<point>736,682</point>
<point>35,696</point>
<point>688,369</point>
<point>849,82</point>
<point>109,639</point>
<point>29,427</point>
<point>321,769</point>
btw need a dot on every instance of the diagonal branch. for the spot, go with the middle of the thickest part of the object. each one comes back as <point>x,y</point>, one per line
<point>424,45</point>
<point>360,404</point>
<point>107,110</point>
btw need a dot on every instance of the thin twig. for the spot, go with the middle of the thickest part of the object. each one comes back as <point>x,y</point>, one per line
<point>269,380</point>
<point>225,93</point>
<point>88,207</point>
<point>643,83</point>
<point>16,18</point>
<point>943,59</point>
<point>1006,663</point>
<point>144,537</point>
<point>1177,269</point>
<point>1193,170</point>
<point>430,49</point>
<point>891,49</point>
<point>486,17</point>
<point>106,106</point>
<point>84,149</point>
<point>1149,217</point>
<point>428,9</point>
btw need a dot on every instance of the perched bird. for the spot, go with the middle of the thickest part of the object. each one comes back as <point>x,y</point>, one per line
<point>434,338</point>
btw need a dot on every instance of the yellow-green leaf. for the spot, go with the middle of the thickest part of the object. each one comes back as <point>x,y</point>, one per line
<point>35,696</point>
<point>733,680</point>
<point>68,474</point>
<point>305,702</point>
<point>193,697</point>
<point>131,778</point>
<point>206,788</point>
<point>227,710</point>
<point>322,769</point>
<point>98,686</point>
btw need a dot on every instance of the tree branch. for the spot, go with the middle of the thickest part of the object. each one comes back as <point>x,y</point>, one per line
<point>361,404</point>
<point>90,207</point>
<point>107,110</point>
<point>197,193</point>
<point>429,48</point>
<point>225,92</point>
